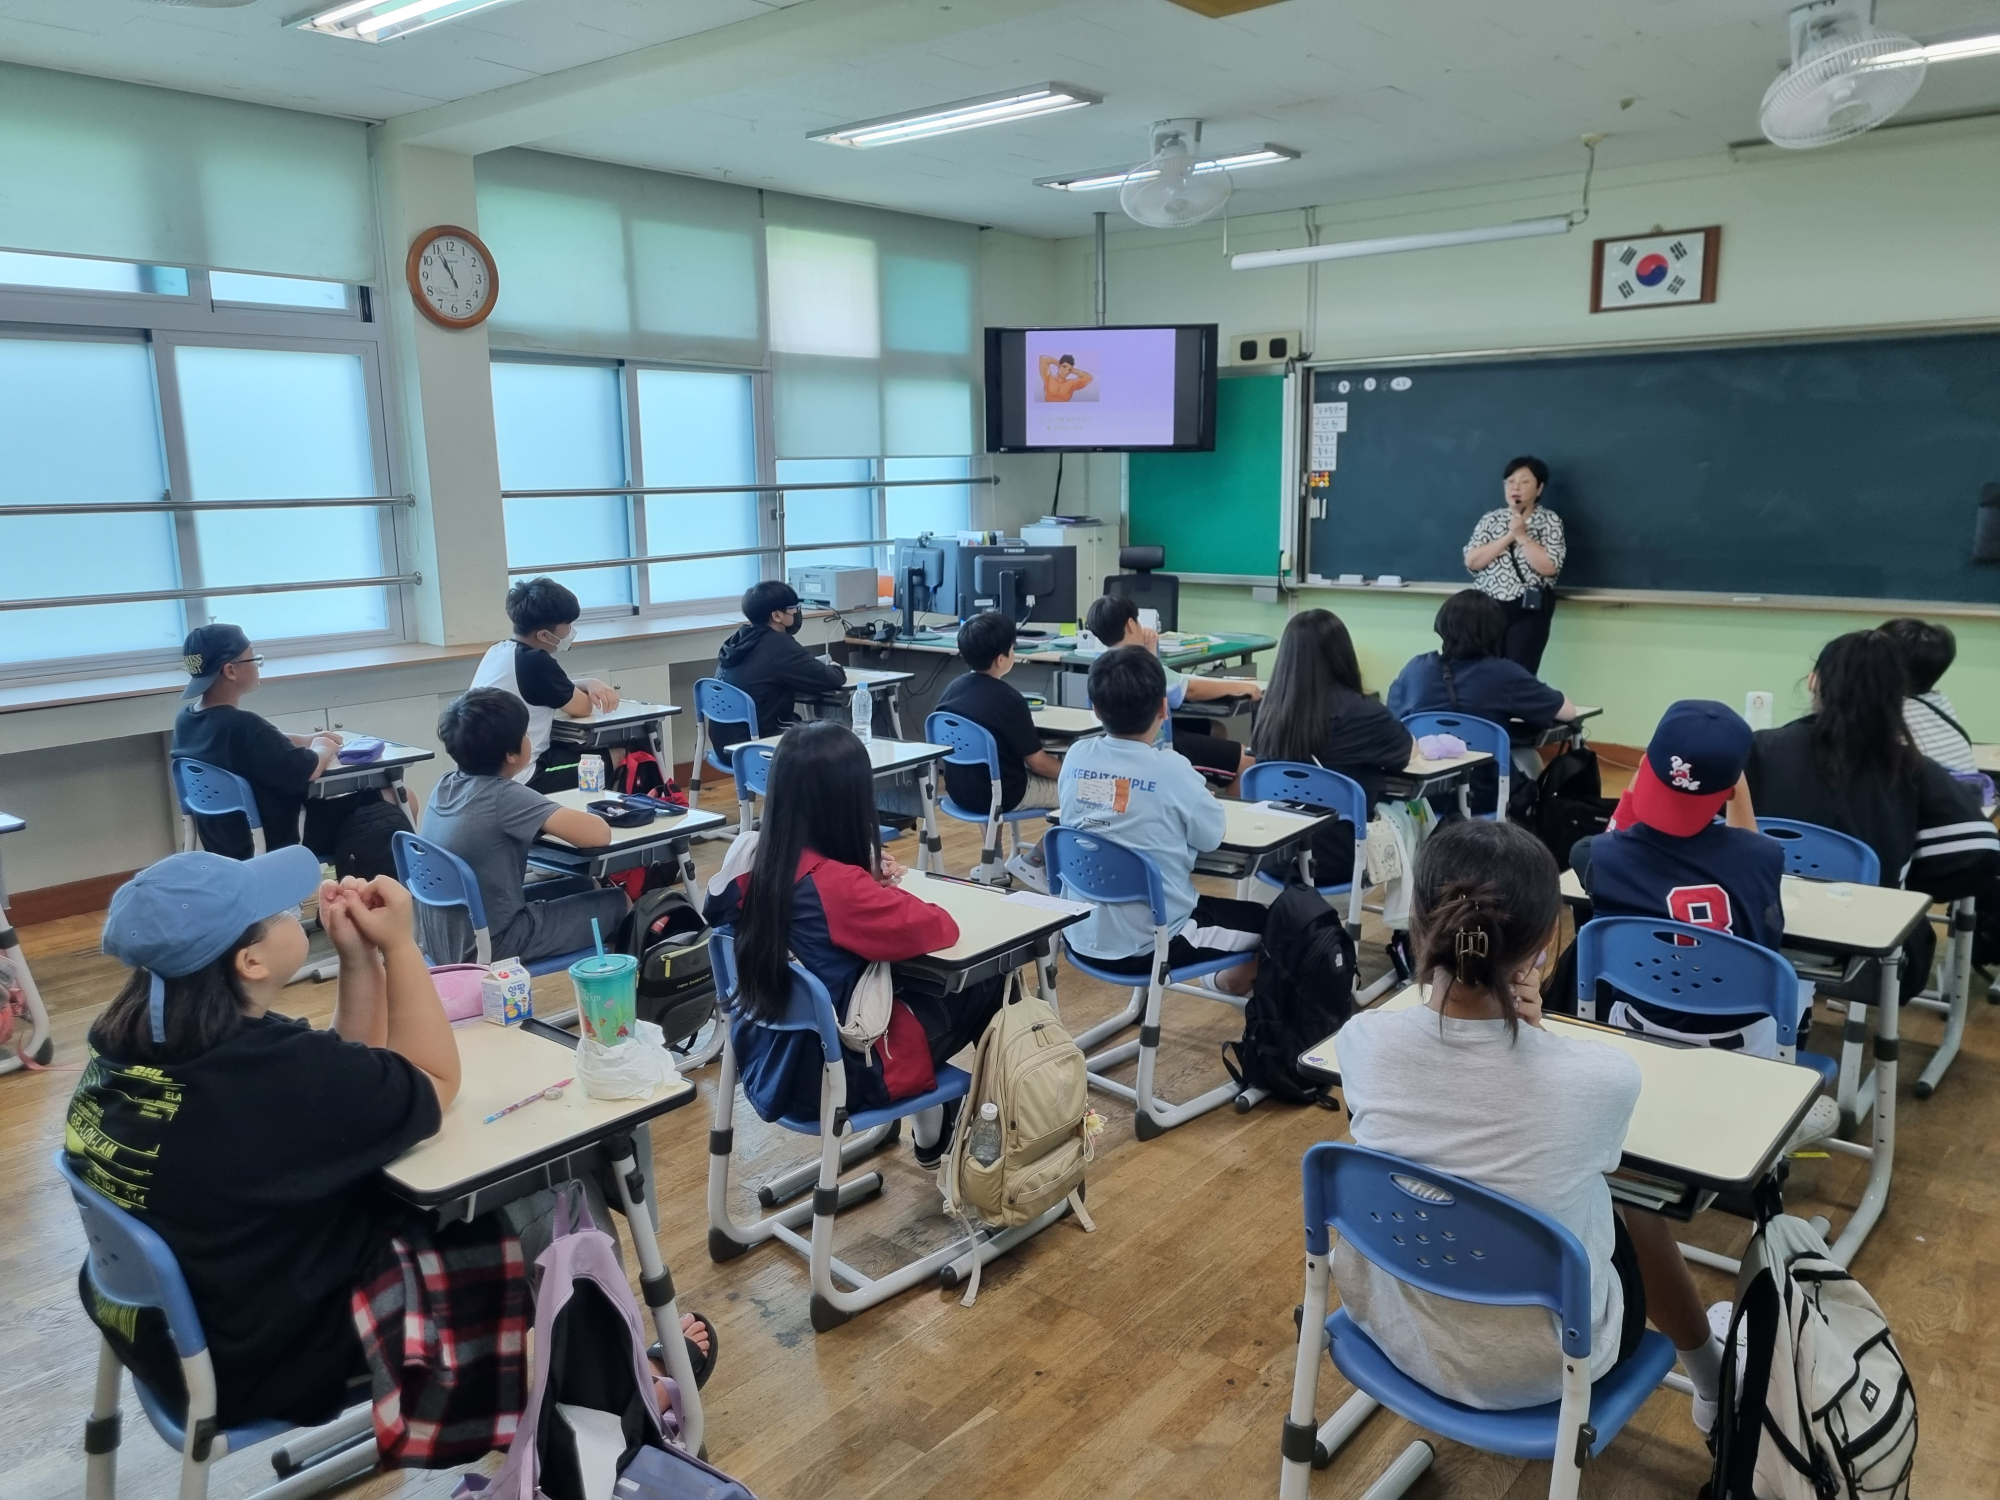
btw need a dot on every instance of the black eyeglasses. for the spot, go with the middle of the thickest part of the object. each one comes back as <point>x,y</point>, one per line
<point>255,661</point>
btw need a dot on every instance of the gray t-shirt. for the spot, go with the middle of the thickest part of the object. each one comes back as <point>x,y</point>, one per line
<point>1540,1119</point>
<point>489,822</point>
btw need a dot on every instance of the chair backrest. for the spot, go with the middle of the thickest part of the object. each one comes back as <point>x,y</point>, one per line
<point>1294,781</point>
<point>211,791</point>
<point>717,700</point>
<point>971,744</point>
<point>1823,853</point>
<point>1142,559</point>
<point>437,877</point>
<point>1442,1234</point>
<point>1687,968</point>
<point>807,1008</point>
<point>1478,734</point>
<point>1091,867</point>
<point>1158,591</point>
<point>751,766</point>
<point>130,1264</point>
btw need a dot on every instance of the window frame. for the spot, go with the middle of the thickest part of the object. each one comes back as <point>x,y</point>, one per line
<point>163,322</point>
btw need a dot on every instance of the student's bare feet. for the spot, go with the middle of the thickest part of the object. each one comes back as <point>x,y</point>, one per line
<point>702,1341</point>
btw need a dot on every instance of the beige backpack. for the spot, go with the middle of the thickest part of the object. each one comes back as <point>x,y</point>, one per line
<point>1028,1065</point>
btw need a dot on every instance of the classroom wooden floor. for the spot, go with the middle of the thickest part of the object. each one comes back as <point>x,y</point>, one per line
<point>1153,1358</point>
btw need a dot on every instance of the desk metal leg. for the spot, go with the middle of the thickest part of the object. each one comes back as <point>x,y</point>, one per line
<point>896,710</point>
<point>1045,970</point>
<point>689,884</point>
<point>656,1284</point>
<point>1882,1160</point>
<point>1955,987</point>
<point>931,856</point>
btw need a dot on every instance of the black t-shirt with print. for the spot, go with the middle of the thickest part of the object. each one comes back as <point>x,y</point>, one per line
<point>1004,714</point>
<point>259,1164</point>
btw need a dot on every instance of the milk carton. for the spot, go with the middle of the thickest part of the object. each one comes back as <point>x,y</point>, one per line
<point>506,993</point>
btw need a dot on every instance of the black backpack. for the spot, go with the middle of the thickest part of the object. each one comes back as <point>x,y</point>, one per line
<point>1304,993</point>
<point>670,940</point>
<point>1569,803</point>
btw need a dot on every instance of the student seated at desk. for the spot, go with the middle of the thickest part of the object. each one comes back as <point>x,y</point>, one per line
<point>765,659</point>
<point>1471,1084</point>
<point>483,814</point>
<point>1850,765</point>
<point>819,888</point>
<point>544,616</point>
<point>1667,855</point>
<point>1317,713</point>
<point>1114,620</point>
<point>1928,651</point>
<point>1123,785</point>
<point>250,1142</point>
<point>351,833</point>
<point>1027,771</point>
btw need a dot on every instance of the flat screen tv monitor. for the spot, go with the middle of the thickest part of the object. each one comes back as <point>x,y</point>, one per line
<point>1034,584</point>
<point>1101,390</point>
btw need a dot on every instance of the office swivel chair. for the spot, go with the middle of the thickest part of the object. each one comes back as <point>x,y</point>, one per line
<point>1144,587</point>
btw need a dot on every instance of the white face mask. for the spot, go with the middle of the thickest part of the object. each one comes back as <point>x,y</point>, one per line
<point>564,642</point>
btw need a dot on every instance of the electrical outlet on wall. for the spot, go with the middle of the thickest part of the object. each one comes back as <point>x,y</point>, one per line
<point>1757,708</point>
<point>1262,348</point>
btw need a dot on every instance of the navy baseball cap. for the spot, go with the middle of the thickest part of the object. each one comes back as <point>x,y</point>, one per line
<point>206,651</point>
<point>185,912</point>
<point>1692,764</point>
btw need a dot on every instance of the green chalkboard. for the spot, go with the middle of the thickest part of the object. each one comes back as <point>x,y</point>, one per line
<point>1217,512</point>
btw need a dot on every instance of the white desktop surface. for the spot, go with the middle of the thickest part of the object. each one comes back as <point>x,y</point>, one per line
<point>1835,915</point>
<point>628,711</point>
<point>1257,827</point>
<point>665,826</point>
<point>887,755</point>
<point>987,920</point>
<point>1070,723</point>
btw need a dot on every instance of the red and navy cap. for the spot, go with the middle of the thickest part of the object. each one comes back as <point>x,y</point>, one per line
<point>1692,764</point>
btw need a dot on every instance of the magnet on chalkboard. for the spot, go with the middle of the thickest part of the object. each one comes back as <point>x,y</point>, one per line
<point>1986,530</point>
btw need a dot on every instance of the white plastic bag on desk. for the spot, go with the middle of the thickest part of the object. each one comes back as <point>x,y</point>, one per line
<point>630,1070</point>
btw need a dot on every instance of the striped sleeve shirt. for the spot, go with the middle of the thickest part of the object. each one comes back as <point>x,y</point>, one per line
<point>1934,725</point>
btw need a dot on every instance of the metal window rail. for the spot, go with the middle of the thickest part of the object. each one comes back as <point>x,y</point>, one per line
<point>168,503</point>
<point>745,489</point>
<point>678,557</point>
<point>158,596</point>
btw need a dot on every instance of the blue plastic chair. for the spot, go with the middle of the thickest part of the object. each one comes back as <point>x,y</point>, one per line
<point>1453,1239</point>
<point>213,792</point>
<point>750,765</point>
<point>1478,734</point>
<point>439,879</point>
<point>1316,786</point>
<point>130,1267</point>
<point>844,1138</point>
<point>1090,867</point>
<point>1681,967</point>
<point>1816,853</point>
<point>716,701</point>
<point>973,745</point>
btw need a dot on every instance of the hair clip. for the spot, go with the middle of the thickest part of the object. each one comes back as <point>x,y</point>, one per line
<point>1468,942</point>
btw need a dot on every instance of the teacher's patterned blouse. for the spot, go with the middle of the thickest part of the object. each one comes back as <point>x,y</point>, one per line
<point>1508,576</point>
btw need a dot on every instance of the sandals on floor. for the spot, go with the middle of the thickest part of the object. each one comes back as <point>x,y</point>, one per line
<point>704,1363</point>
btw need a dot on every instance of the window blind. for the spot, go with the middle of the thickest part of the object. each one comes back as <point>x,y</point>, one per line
<point>128,172</point>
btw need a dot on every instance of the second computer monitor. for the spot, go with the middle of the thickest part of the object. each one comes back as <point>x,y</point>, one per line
<point>1046,573</point>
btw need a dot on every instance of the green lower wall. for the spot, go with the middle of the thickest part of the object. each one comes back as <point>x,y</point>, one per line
<point>1632,660</point>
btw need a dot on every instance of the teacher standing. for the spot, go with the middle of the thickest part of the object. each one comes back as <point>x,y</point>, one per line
<point>1514,556</point>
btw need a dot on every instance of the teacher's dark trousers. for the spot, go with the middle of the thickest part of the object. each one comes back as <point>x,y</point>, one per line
<point>1528,630</point>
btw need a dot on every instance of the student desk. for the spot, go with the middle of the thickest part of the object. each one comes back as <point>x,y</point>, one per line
<point>665,838</point>
<point>1569,732</point>
<point>1256,832</point>
<point>384,771</point>
<point>1072,667</point>
<point>893,758</point>
<point>1707,1121</point>
<point>470,1167</point>
<point>630,723</point>
<point>1065,726</point>
<point>40,1045</point>
<point>1851,922</point>
<point>883,686</point>
<point>1424,777</point>
<point>997,931</point>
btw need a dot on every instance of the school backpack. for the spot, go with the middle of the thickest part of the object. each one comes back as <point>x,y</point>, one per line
<point>640,775</point>
<point>593,1388</point>
<point>1569,804</point>
<point>670,940</point>
<point>1821,1407</point>
<point>1029,1066</point>
<point>1304,993</point>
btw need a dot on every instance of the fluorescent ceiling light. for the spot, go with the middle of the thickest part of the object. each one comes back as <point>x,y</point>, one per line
<point>1260,155</point>
<point>966,114</point>
<point>1950,51</point>
<point>1520,229</point>
<point>385,20</point>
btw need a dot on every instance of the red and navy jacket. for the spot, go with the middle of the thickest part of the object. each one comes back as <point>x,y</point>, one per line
<point>843,919</point>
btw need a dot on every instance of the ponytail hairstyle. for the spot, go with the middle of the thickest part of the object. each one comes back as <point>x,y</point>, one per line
<point>1858,723</point>
<point>204,1010</point>
<point>1486,898</point>
<point>821,800</point>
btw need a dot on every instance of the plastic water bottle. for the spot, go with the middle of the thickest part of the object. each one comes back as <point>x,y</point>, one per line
<point>864,713</point>
<point>986,1135</point>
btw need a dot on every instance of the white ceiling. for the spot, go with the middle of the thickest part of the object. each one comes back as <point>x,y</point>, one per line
<point>1382,96</point>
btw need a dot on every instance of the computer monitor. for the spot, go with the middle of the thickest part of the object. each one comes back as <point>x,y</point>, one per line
<point>1024,585</point>
<point>920,586</point>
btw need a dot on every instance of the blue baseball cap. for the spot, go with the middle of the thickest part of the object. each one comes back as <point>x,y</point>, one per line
<point>206,651</point>
<point>185,912</point>
<point>1692,764</point>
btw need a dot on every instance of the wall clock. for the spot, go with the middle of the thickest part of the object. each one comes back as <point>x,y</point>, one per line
<point>452,276</point>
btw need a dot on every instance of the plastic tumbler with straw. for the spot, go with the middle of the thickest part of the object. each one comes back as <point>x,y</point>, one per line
<point>607,993</point>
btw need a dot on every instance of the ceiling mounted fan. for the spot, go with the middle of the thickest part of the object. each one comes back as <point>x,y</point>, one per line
<point>1846,76</point>
<point>1174,187</point>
